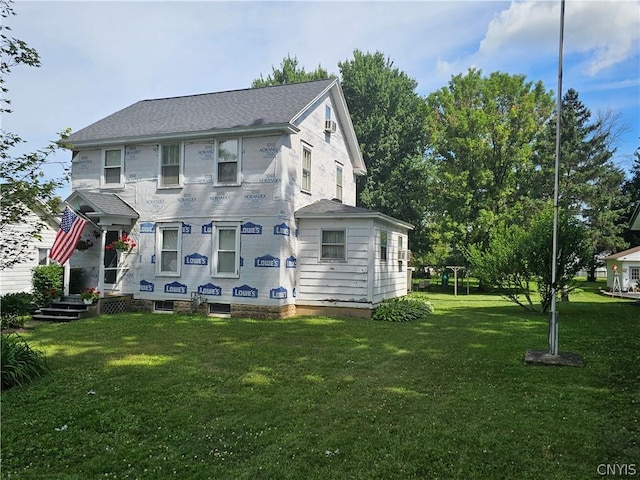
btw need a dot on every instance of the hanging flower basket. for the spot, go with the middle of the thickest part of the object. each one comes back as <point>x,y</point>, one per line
<point>124,244</point>
<point>84,244</point>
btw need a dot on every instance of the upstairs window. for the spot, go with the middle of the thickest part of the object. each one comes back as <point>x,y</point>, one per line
<point>333,247</point>
<point>227,161</point>
<point>112,171</point>
<point>306,169</point>
<point>338,182</point>
<point>170,164</point>
<point>168,244</point>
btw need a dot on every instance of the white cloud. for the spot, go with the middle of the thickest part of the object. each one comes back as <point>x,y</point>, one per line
<point>603,33</point>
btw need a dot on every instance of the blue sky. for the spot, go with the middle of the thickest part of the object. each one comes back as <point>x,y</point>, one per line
<point>99,57</point>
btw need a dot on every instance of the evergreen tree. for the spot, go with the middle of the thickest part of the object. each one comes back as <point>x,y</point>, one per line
<point>631,191</point>
<point>590,184</point>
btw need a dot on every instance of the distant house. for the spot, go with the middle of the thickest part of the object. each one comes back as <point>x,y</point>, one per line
<point>19,277</point>
<point>626,265</point>
<point>240,202</point>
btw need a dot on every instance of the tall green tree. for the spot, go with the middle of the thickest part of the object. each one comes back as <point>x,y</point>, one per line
<point>590,184</point>
<point>631,190</point>
<point>388,118</point>
<point>22,181</point>
<point>481,132</point>
<point>290,72</point>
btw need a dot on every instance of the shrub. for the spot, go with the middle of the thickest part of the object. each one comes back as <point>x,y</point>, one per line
<point>19,362</point>
<point>14,308</point>
<point>17,303</point>
<point>47,283</point>
<point>402,309</point>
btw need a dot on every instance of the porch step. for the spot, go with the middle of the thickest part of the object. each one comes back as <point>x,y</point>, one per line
<point>67,309</point>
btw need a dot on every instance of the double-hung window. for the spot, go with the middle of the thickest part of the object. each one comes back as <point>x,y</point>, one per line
<point>339,182</point>
<point>112,171</point>
<point>228,161</point>
<point>170,165</point>
<point>333,246</point>
<point>226,250</point>
<point>306,169</point>
<point>383,245</point>
<point>168,248</point>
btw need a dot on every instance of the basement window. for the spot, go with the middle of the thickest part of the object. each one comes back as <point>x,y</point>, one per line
<point>220,309</point>
<point>163,306</point>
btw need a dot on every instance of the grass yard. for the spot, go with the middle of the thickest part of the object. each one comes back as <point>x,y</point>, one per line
<point>168,396</point>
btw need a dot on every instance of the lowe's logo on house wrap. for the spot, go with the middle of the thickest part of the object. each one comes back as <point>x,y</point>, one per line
<point>278,293</point>
<point>245,291</point>
<point>186,228</point>
<point>282,229</point>
<point>210,289</point>
<point>207,229</point>
<point>146,286</point>
<point>148,227</point>
<point>267,261</point>
<point>175,287</point>
<point>290,262</point>
<point>250,229</point>
<point>196,259</point>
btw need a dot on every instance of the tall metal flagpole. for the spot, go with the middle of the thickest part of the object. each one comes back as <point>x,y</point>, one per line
<point>553,315</point>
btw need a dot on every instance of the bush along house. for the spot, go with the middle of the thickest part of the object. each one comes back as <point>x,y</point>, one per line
<point>237,203</point>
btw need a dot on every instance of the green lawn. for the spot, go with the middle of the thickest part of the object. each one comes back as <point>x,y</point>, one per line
<point>168,396</point>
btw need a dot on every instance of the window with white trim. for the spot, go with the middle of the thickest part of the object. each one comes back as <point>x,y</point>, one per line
<point>339,176</point>
<point>634,273</point>
<point>227,170</point>
<point>383,245</point>
<point>306,169</point>
<point>334,246</point>
<point>168,249</point>
<point>170,165</point>
<point>43,256</point>
<point>112,171</point>
<point>226,250</point>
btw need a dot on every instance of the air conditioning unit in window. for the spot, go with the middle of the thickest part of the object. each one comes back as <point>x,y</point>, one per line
<point>330,126</point>
<point>403,255</point>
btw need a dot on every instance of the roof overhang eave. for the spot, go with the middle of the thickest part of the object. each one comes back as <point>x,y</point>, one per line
<point>280,128</point>
<point>371,215</point>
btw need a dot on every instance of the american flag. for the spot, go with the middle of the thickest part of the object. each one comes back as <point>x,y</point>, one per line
<point>65,243</point>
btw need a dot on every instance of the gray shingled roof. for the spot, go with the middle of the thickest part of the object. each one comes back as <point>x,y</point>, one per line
<point>275,105</point>
<point>105,204</point>
<point>333,209</point>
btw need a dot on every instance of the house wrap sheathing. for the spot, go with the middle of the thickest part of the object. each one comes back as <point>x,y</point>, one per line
<point>213,183</point>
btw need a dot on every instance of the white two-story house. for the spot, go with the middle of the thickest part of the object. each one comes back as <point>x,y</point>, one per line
<point>240,202</point>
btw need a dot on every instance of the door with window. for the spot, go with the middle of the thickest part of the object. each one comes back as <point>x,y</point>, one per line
<point>111,261</point>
